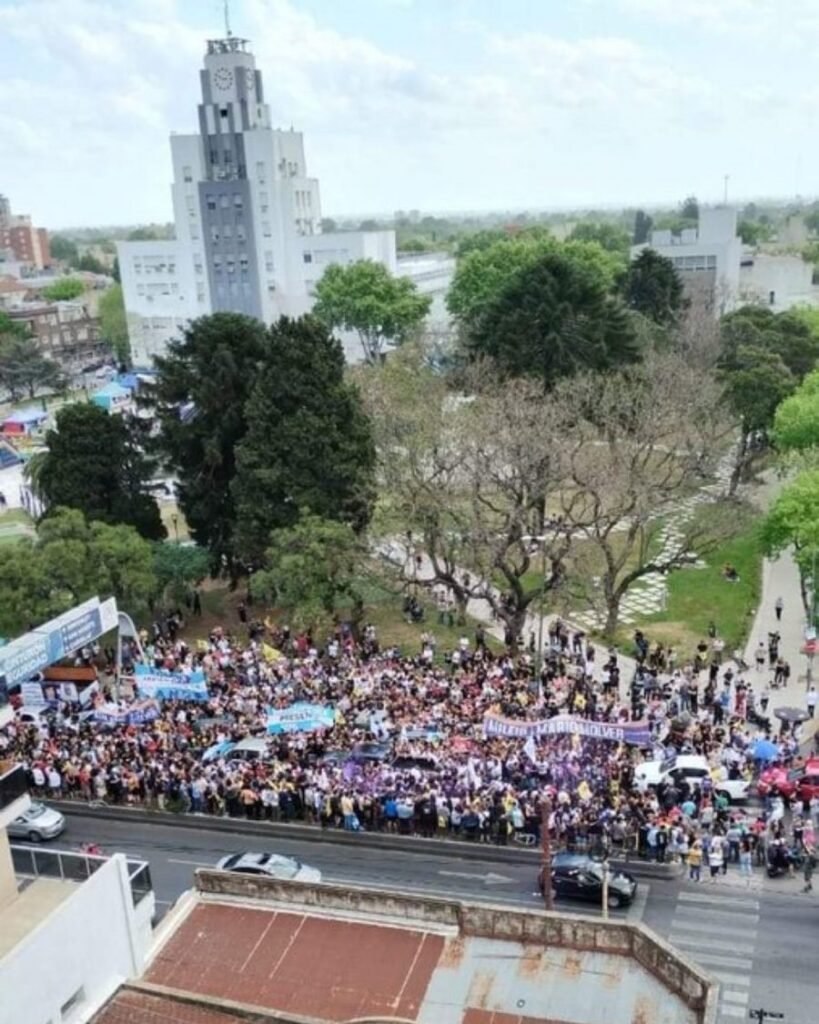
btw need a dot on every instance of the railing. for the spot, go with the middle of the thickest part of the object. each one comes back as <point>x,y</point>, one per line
<point>76,867</point>
<point>13,783</point>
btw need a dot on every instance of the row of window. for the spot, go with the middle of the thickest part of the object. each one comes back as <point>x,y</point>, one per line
<point>224,200</point>
<point>701,262</point>
<point>153,264</point>
<point>226,233</point>
<point>157,289</point>
<point>233,289</point>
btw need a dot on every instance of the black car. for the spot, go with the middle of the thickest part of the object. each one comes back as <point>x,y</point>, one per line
<point>576,876</point>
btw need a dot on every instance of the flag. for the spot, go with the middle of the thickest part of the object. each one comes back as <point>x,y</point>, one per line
<point>530,750</point>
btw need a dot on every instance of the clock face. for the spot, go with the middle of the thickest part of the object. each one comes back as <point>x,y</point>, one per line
<point>250,80</point>
<point>223,78</point>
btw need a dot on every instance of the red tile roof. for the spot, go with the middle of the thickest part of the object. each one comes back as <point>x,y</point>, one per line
<point>129,1007</point>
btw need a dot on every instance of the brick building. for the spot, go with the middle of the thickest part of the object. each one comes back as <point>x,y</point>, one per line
<point>21,241</point>
<point>65,332</point>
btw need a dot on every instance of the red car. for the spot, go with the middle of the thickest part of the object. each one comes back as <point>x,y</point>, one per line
<point>802,783</point>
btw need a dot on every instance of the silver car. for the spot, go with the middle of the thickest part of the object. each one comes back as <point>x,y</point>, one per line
<point>271,865</point>
<point>37,823</point>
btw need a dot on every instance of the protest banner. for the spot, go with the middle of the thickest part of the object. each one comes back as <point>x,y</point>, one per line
<point>637,733</point>
<point>300,717</point>
<point>161,684</point>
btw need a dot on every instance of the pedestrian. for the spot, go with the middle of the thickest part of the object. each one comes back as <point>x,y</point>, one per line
<point>746,870</point>
<point>695,861</point>
<point>778,606</point>
<point>760,656</point>
<point>809,868</point>
<point>811,699</point>
<point>716,857</point>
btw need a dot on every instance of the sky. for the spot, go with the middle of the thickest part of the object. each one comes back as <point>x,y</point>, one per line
<point>437,105</point>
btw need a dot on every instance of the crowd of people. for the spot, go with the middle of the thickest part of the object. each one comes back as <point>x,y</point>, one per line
<point>407,751</point>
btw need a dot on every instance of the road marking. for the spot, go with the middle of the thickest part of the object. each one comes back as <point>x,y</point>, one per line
<point>488,879</point>
<point>729,995</point>
<point>701,929</point>
<point>740,962</point>
<point>722,916</point>
<point>696,940</point>
<point>731,979</point>
<point>733,1011</point>
<point>195,863</point>
<point>723,901</point>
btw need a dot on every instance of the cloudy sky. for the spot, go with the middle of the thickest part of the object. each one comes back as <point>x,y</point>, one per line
<point>430,104</point>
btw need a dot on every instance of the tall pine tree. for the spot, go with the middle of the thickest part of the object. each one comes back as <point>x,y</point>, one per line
<point>309,443</point>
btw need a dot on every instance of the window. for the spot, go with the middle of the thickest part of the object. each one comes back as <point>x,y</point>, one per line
<point>190,203</point>
<point>187,174</point>
<point>238,202</point>
<point>268,262</point>
<point>197,264</point>
<point>308,257</point>
<point>228,156</point>
<point>771,298</point>
<point>266,228</point>
<point>241,234</point>
<point>200,291</point>
<point>214,233</point>
<point>211,201</point>
<point>224,201</point>
<point>194,231</point>
<point>244,262</point>
<point>227,231</point>
<point>217,262</point>
<point>260,173</point>
<point>223,111</point>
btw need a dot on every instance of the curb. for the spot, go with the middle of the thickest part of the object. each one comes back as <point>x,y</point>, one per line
<point>338,837</point>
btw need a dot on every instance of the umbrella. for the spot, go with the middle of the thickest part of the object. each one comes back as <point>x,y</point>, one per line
<point>764,750</point>
<point>792,715</point>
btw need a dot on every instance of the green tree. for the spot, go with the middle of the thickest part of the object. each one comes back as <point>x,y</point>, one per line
<point>793,521</point>
<point>200,395</point>
<point>610,237</point>
<point>94,462</point>
<point>690,208</point>
<point>113,324</point>
<point>642,227</point>
<point>653,287</point>
<point>64,249</point>
<point>64,290</point>
<point>69,561</point>
<point>752,232</point>
<point>308,442</point>
<point>789,335</point>
<point>23,368</point>
<point>91,264</point>
<point>796,422</point>
<point>178,568</point>
<point>309,568</point>
<point>554,318</point>
<point>366,298</point>
<point>485,272</point>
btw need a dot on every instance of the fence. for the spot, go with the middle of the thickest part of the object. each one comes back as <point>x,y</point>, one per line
<point>76,867</point>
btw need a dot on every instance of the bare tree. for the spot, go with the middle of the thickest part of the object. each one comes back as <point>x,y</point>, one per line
<point>643,444</point>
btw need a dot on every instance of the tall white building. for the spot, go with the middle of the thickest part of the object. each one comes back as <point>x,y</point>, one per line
<point>247,214</point>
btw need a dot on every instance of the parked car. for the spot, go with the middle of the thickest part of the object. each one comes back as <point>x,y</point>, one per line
<point>576,876</point>
<point>792,783</point>
<point>271,865</point>
<point>689,768</point>
<point>38,823</point>
<point>370,751</point>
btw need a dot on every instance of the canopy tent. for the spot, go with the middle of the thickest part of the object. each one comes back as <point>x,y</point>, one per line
<point>112,396</point>
<point>24,421</point>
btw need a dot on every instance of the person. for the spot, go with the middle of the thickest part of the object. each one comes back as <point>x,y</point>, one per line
<point>808,869</point>
<point>745,864</point>
<point>760,656</point>
<point>778,608</point>
<point>811,699</point>
<point>716,856</point>
<point>695,861</point>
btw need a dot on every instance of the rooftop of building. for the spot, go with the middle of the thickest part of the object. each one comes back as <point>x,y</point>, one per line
<point>320,953</point>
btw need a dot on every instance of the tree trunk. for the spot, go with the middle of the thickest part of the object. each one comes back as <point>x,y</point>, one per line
<point>613,599</point>
<point>461,601</point>
<point>740,463</point>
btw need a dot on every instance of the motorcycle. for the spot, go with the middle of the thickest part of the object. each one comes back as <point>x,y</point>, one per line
<point>783,860</point>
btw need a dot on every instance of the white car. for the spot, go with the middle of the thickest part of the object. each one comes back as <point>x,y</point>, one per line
<point>692,768</point>
<point>37,823</point>
<point>271,865</point>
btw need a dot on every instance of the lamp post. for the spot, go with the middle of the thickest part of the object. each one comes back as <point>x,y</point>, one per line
<point>539,659</point>
<point>546,850</point>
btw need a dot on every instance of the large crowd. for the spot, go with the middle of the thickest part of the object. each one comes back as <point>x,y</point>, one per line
<point>407,751</point>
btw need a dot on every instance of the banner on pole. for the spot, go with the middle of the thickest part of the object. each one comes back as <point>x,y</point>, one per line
<point>637,733</point>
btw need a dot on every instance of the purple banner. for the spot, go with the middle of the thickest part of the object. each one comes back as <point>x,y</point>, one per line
<point>637,733</point>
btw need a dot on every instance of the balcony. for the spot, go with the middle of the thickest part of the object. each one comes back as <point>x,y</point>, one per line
<point>13,783</point>
<point>32,863</point>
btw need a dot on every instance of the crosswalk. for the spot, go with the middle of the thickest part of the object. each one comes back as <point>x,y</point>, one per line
<point>720,932</point>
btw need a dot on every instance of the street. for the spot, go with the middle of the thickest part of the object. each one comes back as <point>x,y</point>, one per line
<point>760,943</point>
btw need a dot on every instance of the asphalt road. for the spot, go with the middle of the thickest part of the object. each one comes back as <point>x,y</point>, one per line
<point>760,943</point>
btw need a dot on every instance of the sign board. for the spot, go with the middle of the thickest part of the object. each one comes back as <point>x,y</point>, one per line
<point>34,651</point>
<point>300,717</point>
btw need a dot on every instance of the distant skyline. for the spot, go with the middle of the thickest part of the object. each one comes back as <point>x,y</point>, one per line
<point>420,104</point>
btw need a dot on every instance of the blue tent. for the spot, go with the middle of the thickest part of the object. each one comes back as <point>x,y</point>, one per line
<point>110,396</point>
<point>764,750</point>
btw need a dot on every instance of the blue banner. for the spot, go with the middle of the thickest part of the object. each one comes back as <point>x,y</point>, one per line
<point>161,684</point>
<point>301,717</point>
<point>142,713</point>
<point>31,653</point>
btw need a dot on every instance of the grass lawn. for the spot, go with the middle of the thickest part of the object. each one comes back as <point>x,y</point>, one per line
<point>15,523</point>
<point>382,608</point>
<point>698,596</point>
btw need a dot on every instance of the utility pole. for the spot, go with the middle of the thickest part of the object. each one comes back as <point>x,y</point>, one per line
<point>606,889</point>
<point>546,848</point>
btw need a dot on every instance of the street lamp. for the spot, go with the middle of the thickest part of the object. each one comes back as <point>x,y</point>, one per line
<point>546,850</point>
<point>175,521</point>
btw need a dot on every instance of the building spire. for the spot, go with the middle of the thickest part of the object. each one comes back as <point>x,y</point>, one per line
<point>227,19</point>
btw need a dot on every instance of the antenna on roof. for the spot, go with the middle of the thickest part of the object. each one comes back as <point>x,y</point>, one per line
<point>227,19</point>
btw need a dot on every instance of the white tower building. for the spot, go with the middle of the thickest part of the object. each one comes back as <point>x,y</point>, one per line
<point>248,217</point>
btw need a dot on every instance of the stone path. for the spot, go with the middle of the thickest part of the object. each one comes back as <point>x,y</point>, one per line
<point>649,594</point>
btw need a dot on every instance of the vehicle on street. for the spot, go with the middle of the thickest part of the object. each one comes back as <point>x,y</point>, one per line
<point>270,865</point>
<point>791,783</point>
<point>37,824</point>
<point>689,768</point>
<point>576,876</point>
